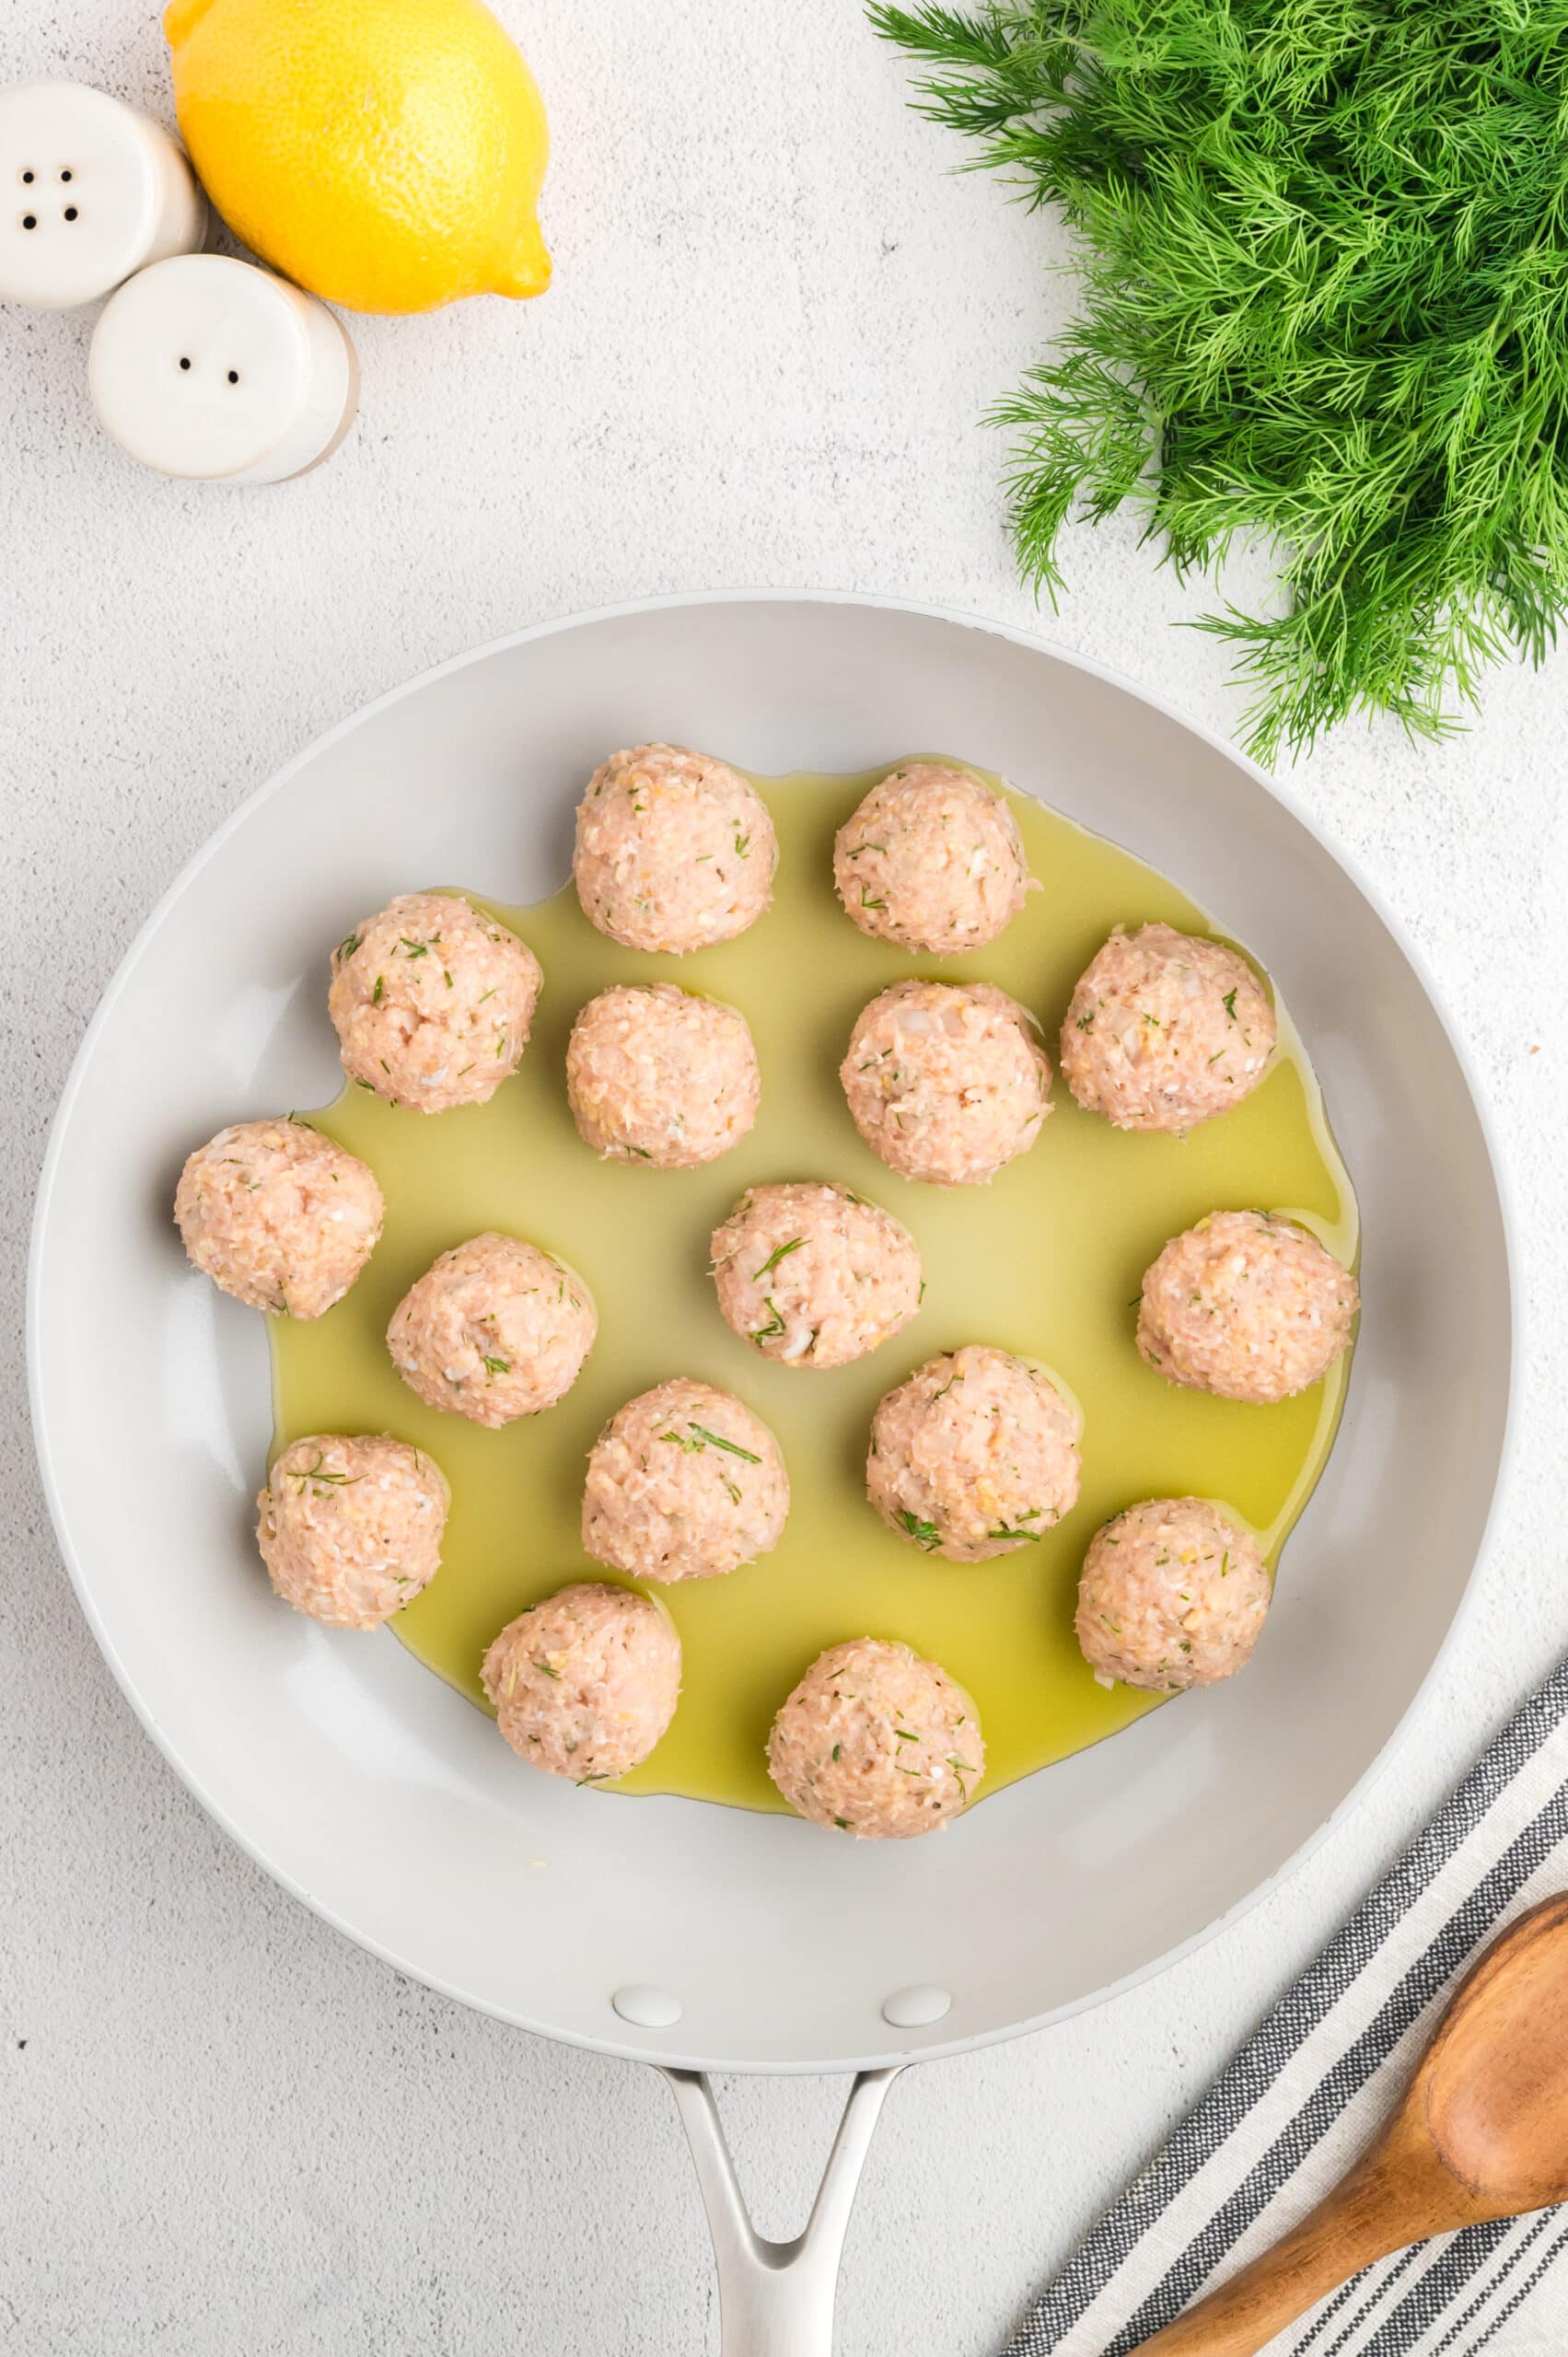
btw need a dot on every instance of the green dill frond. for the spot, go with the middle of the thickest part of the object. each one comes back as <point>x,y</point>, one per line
<point>1324,256</point>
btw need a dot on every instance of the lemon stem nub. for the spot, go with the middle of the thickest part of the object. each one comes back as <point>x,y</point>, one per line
<point>527,270</point>
<point>181,19</point>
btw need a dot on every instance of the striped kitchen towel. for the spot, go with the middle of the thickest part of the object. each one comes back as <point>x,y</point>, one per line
<point>1306,2093</point>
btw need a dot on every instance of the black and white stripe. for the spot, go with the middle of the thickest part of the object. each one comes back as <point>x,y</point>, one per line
<point>1307,2091</point>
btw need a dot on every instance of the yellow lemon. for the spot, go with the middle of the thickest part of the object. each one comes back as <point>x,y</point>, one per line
<point>386,153</point>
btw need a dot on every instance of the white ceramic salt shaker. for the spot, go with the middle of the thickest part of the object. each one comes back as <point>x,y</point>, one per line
<point>215,371</point>
<point>90,191</point>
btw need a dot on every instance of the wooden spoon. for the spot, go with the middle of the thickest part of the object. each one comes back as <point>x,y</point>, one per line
<point>1482,2134</point>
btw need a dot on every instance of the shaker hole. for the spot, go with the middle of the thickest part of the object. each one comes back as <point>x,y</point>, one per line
<point>65,176</point>
<point>70,213</point>
<point>29,221</point>
<point>185,364</point>
<point>27,179</point>
<point>234,376</point>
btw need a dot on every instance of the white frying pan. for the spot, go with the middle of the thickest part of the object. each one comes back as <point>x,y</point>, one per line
<point>691,1937</point>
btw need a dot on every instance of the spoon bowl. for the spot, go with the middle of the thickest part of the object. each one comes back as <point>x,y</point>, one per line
<point>1496,2075</point>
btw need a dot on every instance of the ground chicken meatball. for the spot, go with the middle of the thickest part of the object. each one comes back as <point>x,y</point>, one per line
<point>933,860</point>
<point>814,1275</point>
<point>876,1742</point>
<point>977,1453</point>
<point>685,1483</point>
<point>586,1683</point>
<point>1172,1595</point>
<point>1246,1305</point>
<point>278,1216</point>
<point>675,851</point>
<point>494,1331</point>
<point>658,1074</point>
<point>431,1003</point>
<point>1165,1031</point>
<point>350,1529</point>
<point>946,1081</point>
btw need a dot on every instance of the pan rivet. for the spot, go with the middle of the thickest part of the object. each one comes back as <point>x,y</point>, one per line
<point>916,2008</point>
<point>648,2008</point>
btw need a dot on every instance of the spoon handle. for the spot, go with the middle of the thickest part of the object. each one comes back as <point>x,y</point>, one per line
<point>1356,2224</point>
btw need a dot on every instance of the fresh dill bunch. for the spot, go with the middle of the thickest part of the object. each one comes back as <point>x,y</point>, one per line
<point>1325,305</point>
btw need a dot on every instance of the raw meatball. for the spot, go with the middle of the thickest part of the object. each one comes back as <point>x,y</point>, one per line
<point>495,1330</point>
<point>946,1081</point>
<point>1165,1031</point>
<point>1246,1305</point>
<point>683,1483</point>
<point>585,1684</point>
<point>1172,1595</point>
<point>657,1074</point>
<point>932,859</point>
<point>351,1528</point>
<point>278,1216</point>
<point>814,1275</point>
<point>975,1454</point>
<point>431,1003</point>
<point>877,1742</point>
<point>675,851</point>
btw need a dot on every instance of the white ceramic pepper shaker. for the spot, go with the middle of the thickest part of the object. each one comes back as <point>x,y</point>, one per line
<point>90,191</point>
<point>215,371</point>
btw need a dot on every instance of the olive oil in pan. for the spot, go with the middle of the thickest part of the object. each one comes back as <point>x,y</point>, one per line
<point>1045,1261</point>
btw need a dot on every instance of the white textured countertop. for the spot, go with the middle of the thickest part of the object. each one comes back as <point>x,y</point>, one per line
<point>774,324</point>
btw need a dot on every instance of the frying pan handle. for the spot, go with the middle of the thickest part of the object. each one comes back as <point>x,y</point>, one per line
<point>776,2299</point>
